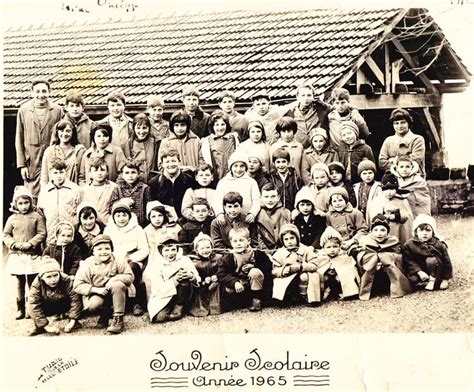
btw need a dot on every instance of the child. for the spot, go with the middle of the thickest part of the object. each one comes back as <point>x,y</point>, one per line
<point>310,222</point>
<point>394,205</point>
<point>99,191</point>
<point>59,199</point>
<point>319,187</point>
<point>285,178</point>
<point>160,128</point>
<point>200,223</point>
<point>130,245</point>
<point>199,121</point>
<point>103,280</point>
<point>183,140</point>
<point>220,144</point>
<point>232,217</point>
<point>245,272</point>
<point>102,147</point>
<point>205,189</point>
<point>88,228</point>
<point>268,115</point>
<point>173,279</point>
<point>142,147</point>
<point>207,299</point>
<point>352,150</point>
<point>75,113</point>
<point>337,268</point>
<point>34,125</point>
<point>381,251</point>
<point>256,145</point>
<point>64,146</point>
<point>286,129</point>
<point>169,187</point>
<point>66,252</point>
<point>318,151</point>
<point>337,176</point>
<point>132,190</point>
<point>238,122</point>
<point>256,171</point>
<point>367,189</point>
<point>426,257</point>
<point>272,216</point>
<point>52,294</point>
<point>409,179</point>
<point>120,123</point>
<point>347,220</point>
<point>295,267</point>
<point>344,112</point>
<point>23,234</point>
<point>237,180</point>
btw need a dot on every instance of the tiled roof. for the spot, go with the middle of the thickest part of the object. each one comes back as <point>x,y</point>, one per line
<point>244,51</point>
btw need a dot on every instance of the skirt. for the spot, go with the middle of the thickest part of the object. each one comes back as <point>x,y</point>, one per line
<point>23,264</point>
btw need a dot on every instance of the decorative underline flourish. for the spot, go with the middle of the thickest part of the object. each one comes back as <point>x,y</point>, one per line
<point>311,380</point>
<point>169,382</point>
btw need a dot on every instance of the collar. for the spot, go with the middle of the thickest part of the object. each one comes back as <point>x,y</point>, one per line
<point>67,184</point>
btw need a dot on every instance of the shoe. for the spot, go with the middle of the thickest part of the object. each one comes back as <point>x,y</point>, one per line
<point>177,313</point>
<point>103,321</point>
<point>75,325</point>
<point>20,305</point>
<point>161,317</point>
<point>116,326</point>
<point>256,305</point>
<point>36,331</point>
<point>444,284</point>
<point>137,310</point>
<point>430,285</point>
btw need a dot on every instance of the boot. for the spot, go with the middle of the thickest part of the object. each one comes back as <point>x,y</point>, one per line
<point>116,326</point>
<point>256,305</point>
<point>161,317</point>
<point>177,313</point>
<point>137,310</point>
<point>36,331</point>
<point>20,306</point>
<point>103,321</point>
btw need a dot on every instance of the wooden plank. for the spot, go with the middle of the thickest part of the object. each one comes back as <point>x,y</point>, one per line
<point>361,78</point>
<point>392,101</point>
<point>395,70</point>
<point>376,70</point>
<point>461,67</point>
<point>432,126</point>
<point>388,70</point>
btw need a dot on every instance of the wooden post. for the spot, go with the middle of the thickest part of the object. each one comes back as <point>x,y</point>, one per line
<point>388,73</point>
<point>395,71</point>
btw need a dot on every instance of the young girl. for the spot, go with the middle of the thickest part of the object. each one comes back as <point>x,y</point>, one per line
<point>319,187</point>
<point>142,147</point>
<point>64,146</point>
<point>319,151</point>
<point>256,144</point>
<point>337,176</point>
<point>220,144</point>
<point>207,299</point>
<point>367,189</point>
<point>88,228</point>
<point>23,235</point>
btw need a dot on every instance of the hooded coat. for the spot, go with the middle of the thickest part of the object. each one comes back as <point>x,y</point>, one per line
<point>349,222</point>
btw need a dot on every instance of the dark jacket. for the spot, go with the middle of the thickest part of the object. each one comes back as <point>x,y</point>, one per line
<point>79,240</point>
<point>289,188</point>
<point>351,156</point>
<point>220,232</point>
<point>139,192</point>
<point>190,230</point>
<point>262,178</point>
<point>150,163</point>
<point>310,231</point>
<point>68,256</point>
<point>200,123</point>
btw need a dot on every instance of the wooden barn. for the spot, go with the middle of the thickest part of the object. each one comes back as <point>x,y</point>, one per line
<point>386,58</point>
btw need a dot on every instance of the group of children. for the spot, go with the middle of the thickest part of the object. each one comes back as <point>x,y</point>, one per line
<point>213,212</point>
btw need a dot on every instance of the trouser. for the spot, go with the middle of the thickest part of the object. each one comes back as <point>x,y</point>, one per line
<point>21,281</point>
<point>137,283</point>
<point>115,298</point>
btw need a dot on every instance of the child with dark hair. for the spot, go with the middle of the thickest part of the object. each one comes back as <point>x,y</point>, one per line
<point>121,124</point>
<point>367,189</point>
<point>263,111</point>
<point>238,122</point>
<point>257,172</point>
<point>75,113</point>
<point>205,189</point>
<point>160,128</point>
<point>200,223</point>
<point>198,120</point>
<point>255,144</point>
<point>337,177</point>
<point>23,234</point>
<point>88,228</point>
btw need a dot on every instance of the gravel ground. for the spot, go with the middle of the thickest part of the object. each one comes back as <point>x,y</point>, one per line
<point>439,311</point>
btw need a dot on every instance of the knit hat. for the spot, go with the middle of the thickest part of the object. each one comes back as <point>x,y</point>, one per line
<point>389,181</point>
<point>423,219</point>
<point>289,228</point>
<point>350,125</point>
<point>83,205</point>
<point>202,237</point>
<point>20,191</point>
<point>48,264</point>
<point>319,166</point>
<point>318,132</point>
<point>380,220</point>
<point>338,166</point>
<point>169,211</point>
<point>329,233</point>
<point>102,239</point>
<point>256,124</point>
<point>238,157</point>
<point>304,194</point>
<point>339,190</point>
<point>121,207</point>
<point>366,164</point>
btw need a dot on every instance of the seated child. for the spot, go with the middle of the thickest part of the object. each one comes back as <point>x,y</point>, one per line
<point>103,280</point>
<point>130,245</point>
<point>245,273</point>
<point>409,179</point>
<point>318,151</point>
<point>257,172</point>
<point>205,189</point>
<point>347,220</point>
<point>256,144</point>
<point>207,299</point>
<point>379,251</point>
<point>310,222</point>
<point>272,216</point>
<point>172,281</point>
<point>367,189</point>
<point>64,249</point>
<point>293,264</point>
<point>201,223</point>
<point>337,177</point>
<point>87,229</point>
<point>426,257</point>
<point>338,269</point>
<point>52,294</point>
<point>160,128</point>
<point>285,178</point>
<point>319,187</point>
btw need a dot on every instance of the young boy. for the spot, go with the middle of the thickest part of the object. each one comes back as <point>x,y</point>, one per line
<point>380,251</point>
<point>122,125</point>
<point>268,115</point>
<point>34,126</point>
<point>52,294</point>
<point>286,129</point>
<point>184,140</point>
<point>75,113</point>
<point>367,189</point>
<point>205,189</point>
<point>160,128</point>
<point>170,186</point>
<point>344,112</point>
<point>88,228</point>
<point>200,223</point>
<point>337,176</point>
<point>132,190</point>
<point>426,257</point>
<point>238,122</point>
<point>59,199</point>
<point>245,272</point>
<point>231,218</point>
<point>99,192</point>
<point>309,222</point>
<point>352,150</point>
<point>272,216</point>
<point>198,120</point>
<point>103,281</point>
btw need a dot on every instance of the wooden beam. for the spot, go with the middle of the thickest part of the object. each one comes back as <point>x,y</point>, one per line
<point>455,58</point>
<point>395,71</point>
<point>392,101</point>
<point>446,88</point>
<point>432,127</point>
<point>361,78</point>
<point>388,70</point>
<point>376,70</point>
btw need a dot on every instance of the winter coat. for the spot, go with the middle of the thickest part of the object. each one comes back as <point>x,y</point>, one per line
<point>191,195</point>
<point>189,149</point>
<point>375,191</point>
<point>220,232</point>
<point>260,150</point>
<point>289,188</point>
<point>350,191</point>
<point>351,156</point>
<point>261,178</point>
<point>310,157</point>
<point>388,253</point>
<point>335,120</point>
<point>200,123</point>
<point>73,161</point>
<point>269,121</point>
<point>68,256</point>
<point>99,197</point>
<point>311,230</point>
<point>154,236</point>
<point>244,185</point>
<point>139,192</point>
<point>190,231</point>
<point>145,153</point>
<point>84,244</point>
<point>349,222</point>
<point>296,151</point>
<point>269,223</point>
<point>217,150</point>
<point>113,156</point>
<point>239,125</point>
<point>119,136</point>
